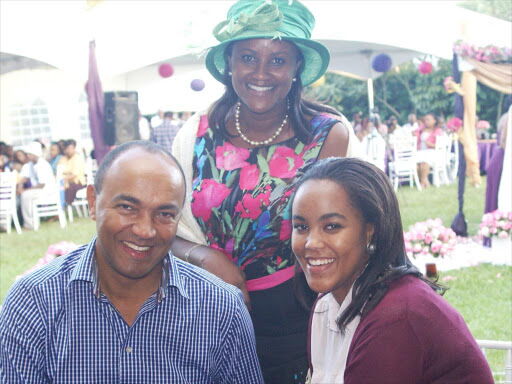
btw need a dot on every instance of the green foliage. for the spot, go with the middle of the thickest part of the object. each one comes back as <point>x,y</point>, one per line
<point>403,91</point>
<point>502,9</point>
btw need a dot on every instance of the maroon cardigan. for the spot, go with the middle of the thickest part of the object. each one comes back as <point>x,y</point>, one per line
<point>414,336</point>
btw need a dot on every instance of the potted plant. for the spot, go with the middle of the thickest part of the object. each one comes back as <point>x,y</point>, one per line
<point>427,241</point>
<point>496,231</point>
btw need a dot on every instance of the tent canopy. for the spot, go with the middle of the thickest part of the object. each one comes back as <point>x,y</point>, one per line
<point>134,36</point>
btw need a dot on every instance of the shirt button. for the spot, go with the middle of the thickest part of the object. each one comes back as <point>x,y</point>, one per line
<point>129,349</point>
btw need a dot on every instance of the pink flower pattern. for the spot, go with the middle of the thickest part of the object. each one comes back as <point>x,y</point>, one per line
<point>211,195</point>
<point>240,196</point>
<point>229,157</point>
<point>285,163</point>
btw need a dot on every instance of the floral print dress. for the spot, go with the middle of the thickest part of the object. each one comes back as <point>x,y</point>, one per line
<point>240,196</point>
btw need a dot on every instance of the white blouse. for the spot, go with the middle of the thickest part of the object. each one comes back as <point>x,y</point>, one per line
<point>329,346</point>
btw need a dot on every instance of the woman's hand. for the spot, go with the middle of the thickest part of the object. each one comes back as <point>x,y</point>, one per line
<point>214,261</point>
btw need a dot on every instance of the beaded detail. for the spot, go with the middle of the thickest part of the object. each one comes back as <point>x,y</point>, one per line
<point>253,142</point>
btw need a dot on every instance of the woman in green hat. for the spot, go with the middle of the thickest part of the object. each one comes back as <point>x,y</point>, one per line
<point>240,159</point>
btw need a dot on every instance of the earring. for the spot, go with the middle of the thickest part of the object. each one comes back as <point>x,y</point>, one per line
<point>230,73</point>
<point>294,79</point>
<point>370,248</point>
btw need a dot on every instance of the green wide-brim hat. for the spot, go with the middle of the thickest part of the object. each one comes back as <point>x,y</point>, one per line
<point>277,19</point>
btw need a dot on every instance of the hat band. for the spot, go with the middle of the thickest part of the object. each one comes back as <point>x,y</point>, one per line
<point>265,18</point>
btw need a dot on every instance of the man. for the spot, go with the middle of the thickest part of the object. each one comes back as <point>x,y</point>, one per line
<point>122,309</point>
<point>165,133</point>
<point>409,128</point>
<point>42,181</point>
<point>72,165</point>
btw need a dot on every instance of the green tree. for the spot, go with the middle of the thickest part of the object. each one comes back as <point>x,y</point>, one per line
<point>502,9</point>
<point>403,91</point>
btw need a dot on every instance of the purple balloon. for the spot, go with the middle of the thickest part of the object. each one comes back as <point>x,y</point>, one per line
<point>197,85</point>
<point>381,63</point>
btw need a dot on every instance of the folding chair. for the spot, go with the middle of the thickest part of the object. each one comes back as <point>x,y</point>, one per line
<point>8,211</point>
<point>404,165</point>
<point>47,205</point>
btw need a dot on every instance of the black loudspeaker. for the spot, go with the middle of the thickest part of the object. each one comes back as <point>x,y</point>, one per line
<point>121,115</point>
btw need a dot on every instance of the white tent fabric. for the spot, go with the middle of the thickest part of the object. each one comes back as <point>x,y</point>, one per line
<point>134,36</point>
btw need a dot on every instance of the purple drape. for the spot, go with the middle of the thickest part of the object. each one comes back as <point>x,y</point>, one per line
<point>459,225</point>
<point>95,100</point>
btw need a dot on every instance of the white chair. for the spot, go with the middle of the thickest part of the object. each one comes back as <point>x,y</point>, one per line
<point>404,167</point>
<point>8,211</point>
<point>47,205</point>
<point>453,158</point>
<point>80,203</point>
<point>441,160</point>
<point>374,147</point>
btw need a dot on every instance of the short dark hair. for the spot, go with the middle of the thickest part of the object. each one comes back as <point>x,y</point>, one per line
<point>168,114</point>
<point>372,194</point>
<point>69,142</point>
<point>145,145</point>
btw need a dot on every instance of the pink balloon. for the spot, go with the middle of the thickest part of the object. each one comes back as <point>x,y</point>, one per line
<point>165,70</point>
<point>425,68</point>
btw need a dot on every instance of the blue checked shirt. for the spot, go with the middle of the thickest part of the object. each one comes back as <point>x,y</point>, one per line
<point>165,133</point>
<point>55,329</point>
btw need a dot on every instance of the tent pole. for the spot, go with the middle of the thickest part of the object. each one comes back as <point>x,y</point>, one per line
<point>370,96</point>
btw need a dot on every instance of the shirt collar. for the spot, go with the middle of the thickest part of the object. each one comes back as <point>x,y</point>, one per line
<point>86,270</point>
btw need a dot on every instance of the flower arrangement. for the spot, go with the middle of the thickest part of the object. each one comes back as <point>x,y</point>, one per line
<point>487,54</point>
<point>454,124</point>
<point>429,238</point>
<point>496,224</point>
<point>483,125</point>
<point>53,251</point>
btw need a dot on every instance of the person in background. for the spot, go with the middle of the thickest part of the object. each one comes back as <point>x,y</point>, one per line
<point>72,165</point>
<point>157,119</point>
<point>165,133</point>
<point>27,176</point>
<point>7,154</point>
<point>42,181</point>
<point>356,122</point>
<point>410,127</point>
<point>144,128</point>
<point>427,134</point>
<point>240,160</point>
<point>55,156</point>
<point>376,320</point>
<point>123,309</point>
<point>392,124</point>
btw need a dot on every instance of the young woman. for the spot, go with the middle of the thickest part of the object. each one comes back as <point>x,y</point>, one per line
<point>241,157</point>
<point>377,320</point>
<point>427,135</point>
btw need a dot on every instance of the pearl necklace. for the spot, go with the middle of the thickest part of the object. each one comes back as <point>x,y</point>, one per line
<point>257,143</point>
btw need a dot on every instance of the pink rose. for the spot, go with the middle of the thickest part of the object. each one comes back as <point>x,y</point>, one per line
<point>428,238</point>
<point>503,235</point>
<point>249,177</point>
<point>284,163</point>
<point>286,230</point>
<point>229,157</point>
<point>250,207</point>
<point>211,195</point>
<point>203,126</point>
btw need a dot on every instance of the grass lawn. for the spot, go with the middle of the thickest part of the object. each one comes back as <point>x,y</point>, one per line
<point>482,294</point>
